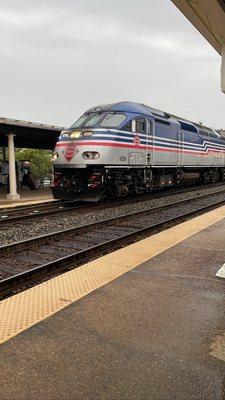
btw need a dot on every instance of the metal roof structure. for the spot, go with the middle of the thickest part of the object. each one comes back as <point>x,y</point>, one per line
<point>29,134</point>
<point>208,16</point>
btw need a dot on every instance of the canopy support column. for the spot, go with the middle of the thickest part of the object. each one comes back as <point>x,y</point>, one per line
<point>13,195</point>
<point>223,70</point>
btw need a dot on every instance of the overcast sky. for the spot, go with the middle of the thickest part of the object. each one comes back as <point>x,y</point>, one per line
<point>60,57</point>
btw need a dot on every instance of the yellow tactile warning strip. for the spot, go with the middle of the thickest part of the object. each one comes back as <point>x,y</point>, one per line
<point>26,203</point>
<point>32,306</point>
<point>218,347</point>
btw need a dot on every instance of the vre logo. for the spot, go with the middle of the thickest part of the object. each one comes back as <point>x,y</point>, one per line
<point>70,151</point>
<point>137,140</point>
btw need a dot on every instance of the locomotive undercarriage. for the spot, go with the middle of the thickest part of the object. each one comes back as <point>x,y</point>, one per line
<point>120,182</point>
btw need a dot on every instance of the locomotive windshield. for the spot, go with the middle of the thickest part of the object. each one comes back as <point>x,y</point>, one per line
<point>80,121</point>
<point>105,120</point>
<point>113,120</point>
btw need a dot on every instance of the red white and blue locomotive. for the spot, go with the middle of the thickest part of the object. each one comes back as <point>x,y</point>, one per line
<point>129,147</point>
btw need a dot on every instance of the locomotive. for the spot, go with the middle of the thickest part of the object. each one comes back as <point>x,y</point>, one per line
<point>130,148</point>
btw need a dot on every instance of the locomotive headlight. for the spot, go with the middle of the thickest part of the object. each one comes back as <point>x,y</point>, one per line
<point>55,156</point>
<point>91,155</point>
<point>78,134</point>
<point>87,133</point>
<point>75,135</point>
<point>64,134</point>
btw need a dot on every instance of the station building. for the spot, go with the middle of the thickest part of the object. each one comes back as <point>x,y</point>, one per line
<point>24,134</point>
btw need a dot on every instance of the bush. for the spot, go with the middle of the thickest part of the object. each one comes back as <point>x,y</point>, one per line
<point>40,161</point>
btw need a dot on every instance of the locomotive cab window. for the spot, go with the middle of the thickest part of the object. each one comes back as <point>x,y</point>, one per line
<point>113,120</point>
<point>140,125</point>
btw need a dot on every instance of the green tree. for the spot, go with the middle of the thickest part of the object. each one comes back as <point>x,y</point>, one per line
<point>41,163</point>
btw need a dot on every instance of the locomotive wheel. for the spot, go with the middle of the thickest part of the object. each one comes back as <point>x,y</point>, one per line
<point>119,190</point>
<point>123,191</point>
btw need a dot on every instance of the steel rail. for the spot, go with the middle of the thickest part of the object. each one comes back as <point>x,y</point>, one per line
<point>15,282</point>
<point>55,208</point>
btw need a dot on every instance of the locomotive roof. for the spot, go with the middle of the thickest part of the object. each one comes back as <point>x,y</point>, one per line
<point>124,106</point>
<point>139,108</point>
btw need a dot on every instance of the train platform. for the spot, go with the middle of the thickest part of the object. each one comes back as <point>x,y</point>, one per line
<point>27,197</point>
<point>145,322</point>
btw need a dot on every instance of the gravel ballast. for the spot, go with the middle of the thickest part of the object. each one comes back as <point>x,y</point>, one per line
<point>44,225</point>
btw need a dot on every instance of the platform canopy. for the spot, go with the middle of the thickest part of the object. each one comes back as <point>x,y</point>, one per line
<point>28,134</point>
<point>208,16</point>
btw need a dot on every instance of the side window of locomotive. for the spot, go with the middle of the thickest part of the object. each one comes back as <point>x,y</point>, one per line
<point>140,125</point>
<point>187,127</point>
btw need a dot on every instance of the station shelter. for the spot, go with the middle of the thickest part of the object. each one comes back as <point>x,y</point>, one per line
<point>24,134</point>
<point>208,16</point>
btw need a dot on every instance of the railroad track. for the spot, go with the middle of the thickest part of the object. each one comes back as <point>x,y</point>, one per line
<point>28,212</point>
<point>27,262</point>
<point>23,213</point>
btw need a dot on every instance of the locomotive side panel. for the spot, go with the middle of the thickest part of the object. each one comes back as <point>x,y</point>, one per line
<point>192,149</point>
<point>166,144</point>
